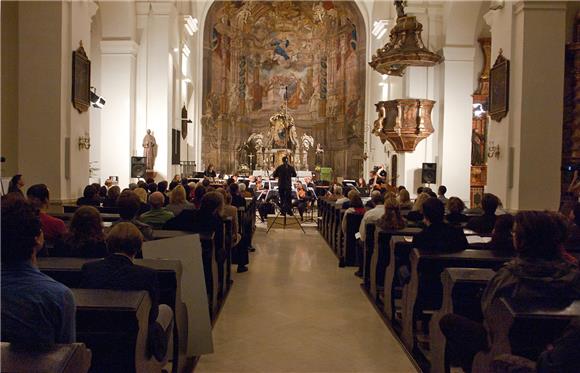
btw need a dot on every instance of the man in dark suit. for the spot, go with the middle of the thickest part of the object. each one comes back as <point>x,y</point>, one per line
<point>284,173</point>
<point>484,224</point>
<point>438,235</point>
<point>117,272</point>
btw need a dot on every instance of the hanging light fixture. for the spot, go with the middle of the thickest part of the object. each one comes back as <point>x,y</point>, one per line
<point>405,47</point>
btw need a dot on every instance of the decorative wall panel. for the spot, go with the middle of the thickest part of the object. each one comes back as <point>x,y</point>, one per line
<point>257,54</point>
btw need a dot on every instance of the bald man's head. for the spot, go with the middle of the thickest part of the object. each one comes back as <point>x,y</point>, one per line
<point>156,200</point>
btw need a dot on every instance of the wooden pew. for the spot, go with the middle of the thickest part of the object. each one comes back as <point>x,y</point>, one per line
<point>194,320</point>
<point>62,358</point>
<point>424,291</point>
<point>114,325</point>
<point>381,256</point>
<point>349,242</point>
<point>368,249</point>
<point>462,289</point>
<point>398,248</point>
<point>67,216</point>
<point>337,235</point>
<point>524,328</point>
<point>169,272</point>
<point>102,209</point>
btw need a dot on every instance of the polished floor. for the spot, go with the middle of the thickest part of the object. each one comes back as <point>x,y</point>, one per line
<point>296,311</point>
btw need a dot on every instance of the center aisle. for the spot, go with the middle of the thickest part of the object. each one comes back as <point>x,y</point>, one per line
<point>296,311</point>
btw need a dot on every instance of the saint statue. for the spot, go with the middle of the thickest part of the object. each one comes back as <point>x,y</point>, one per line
<point>319,154</point>
<point>149,149</point>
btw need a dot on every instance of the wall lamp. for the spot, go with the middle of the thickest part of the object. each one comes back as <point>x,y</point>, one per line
<point>493,150</point>
<point>96,100</point>
<point>84,142</point>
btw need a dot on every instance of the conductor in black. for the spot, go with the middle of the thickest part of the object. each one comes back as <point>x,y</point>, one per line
<point>284,173</point>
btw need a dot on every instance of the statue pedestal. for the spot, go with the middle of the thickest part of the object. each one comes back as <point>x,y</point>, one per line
<point>275,156</point>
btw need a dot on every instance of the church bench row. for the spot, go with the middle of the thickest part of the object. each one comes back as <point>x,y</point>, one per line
<point>68,271</point>
<point>62,358</point>
<point>114,325</point>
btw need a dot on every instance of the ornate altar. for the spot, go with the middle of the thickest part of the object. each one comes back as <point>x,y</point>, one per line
<point>265,152</point>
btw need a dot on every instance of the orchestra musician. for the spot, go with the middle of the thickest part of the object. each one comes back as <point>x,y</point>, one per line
<point>301,201</point>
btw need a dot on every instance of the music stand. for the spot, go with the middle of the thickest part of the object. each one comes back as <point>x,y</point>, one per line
<point>284,223</point>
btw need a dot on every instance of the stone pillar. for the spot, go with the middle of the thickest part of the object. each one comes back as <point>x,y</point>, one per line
<point>118,116</point>
<point>49,127</point>
<point>456,130</point>
<point>527,173</point>
<point>159,85</point>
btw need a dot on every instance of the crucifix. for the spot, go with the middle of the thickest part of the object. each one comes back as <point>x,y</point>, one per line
<point>251,156</point>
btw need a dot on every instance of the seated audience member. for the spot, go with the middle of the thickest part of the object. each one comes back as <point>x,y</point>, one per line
<point>573,241</point>
<point>416,213</point>
<point>391,218</point>
<point>372,215</point>
<point>16,184</point>
<point>117,272</point>
<point>158,214</point>
<point>112,195</point>
<point>405,200</point>
<point>335,193</point>
<point>351,193</point>
<point>210,211</point>
<point>356,206</point>
<point>90,197</point>
<point>37,311</point>
<point>244,191</point>
<point>108,183</point>
<point>162,187</point>
<point>172,185</point>
<point>151,188</point>
<point>341,198</point>
<point>420,190</point>
<point>54,229</point>
<point>128,204</point>
<point>237,199</point>
<point>199,192</point>
<point>484,224</point>
<point>102,193</point>
<point>438,235</point>
<point>441,194</point>
<point>537,273</point>
<point>399,188</point>
<point>562,355</point>
<point>239,253</point>
<point>177,201</point>
<point>455,216</point>
<point>85,238</point>
<point>142,184</point>
<point>132,186</point>
<point>501,237</point>
<point>143,205</point>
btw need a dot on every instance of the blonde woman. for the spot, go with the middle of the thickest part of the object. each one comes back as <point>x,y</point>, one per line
<point>416,213</point>
<point>177,201</point>
<point>405,200</point>
<point>391,219</point>
<point>143,205</point>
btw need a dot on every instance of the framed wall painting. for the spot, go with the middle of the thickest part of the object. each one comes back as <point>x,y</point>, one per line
<point>499,82</point>
<point>81,79</point>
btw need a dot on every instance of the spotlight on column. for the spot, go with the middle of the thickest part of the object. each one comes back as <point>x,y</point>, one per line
<point>96,100</point>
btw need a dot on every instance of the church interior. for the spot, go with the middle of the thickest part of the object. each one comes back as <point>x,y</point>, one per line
<point>290,186</point>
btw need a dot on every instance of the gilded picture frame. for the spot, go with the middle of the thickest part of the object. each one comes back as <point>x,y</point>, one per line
<point>499,82</point>
<point>81,80</point>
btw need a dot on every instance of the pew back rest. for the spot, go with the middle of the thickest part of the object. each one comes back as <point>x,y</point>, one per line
<point>427,266</point>
<point>114,324</point>
<point>63,358</point>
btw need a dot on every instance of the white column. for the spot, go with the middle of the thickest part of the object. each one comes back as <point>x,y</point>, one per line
<point>527,173</point>
<point>456,129</point>
<point>158,71</point>
<point>118,115</point>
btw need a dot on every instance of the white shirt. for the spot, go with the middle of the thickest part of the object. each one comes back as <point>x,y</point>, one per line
<point>371,216</point>
<point>342,200</point>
